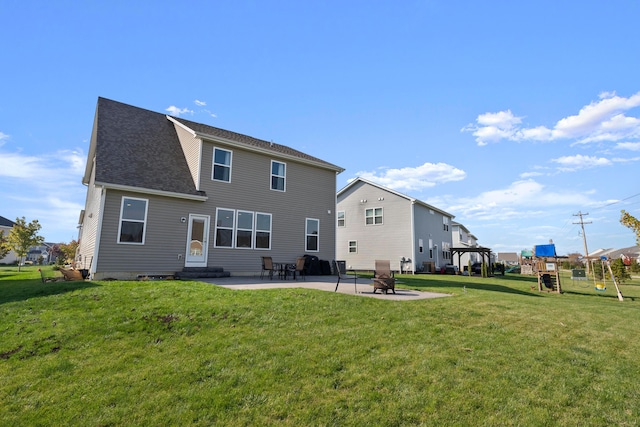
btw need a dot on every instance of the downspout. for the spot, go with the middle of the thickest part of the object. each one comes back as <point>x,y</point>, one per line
<point>96,250</point>
<point>413,237</point>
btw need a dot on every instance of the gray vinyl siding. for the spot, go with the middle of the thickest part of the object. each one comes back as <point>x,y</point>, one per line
<point>164,246</point>
<point>191,148</point>
<point>428,225</point>
<point>310,193</point>
<point>392,240</point>
<point>90,224</point>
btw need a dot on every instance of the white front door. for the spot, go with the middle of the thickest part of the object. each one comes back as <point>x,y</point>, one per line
<point>197,241</point>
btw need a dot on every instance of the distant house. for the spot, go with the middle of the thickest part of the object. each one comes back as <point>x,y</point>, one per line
<point>41,254</point>
<point>509,258</point>
<point>6,225</point>
<point>375,222</point>
<point>627,255</point>
<point>463,238</point>
<point>164,194</point>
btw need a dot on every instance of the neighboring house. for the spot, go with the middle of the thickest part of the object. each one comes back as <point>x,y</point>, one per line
<point>41,254</point>
<point>375,222</point>
<point>628,255</point>
<point>461,237</point>
<point>598,253</point>
<point>508,258</point>
<point>164,193</point>
<point>6,225</point>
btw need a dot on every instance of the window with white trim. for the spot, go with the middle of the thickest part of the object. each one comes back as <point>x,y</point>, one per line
<point>239,229</point>
<point>353,246</point>
<point>341,219</point>
<point>221,165</point>
<point>312,235</point>
<point>244,230</point>
<point>373,216</point>
<point>133,221</point>
<point>263,231</point>
<point>446,250</point>
<point>225,223</point>
<point>278,175</point>
<point>445,223</point>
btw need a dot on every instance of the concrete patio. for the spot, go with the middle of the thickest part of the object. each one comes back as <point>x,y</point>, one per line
<point>363,287</point>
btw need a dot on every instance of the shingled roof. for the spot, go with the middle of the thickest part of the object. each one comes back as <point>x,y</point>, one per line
<point>138,148</point>
<point>134,147</point>
<point>210,132</point>
<point>4,222</point>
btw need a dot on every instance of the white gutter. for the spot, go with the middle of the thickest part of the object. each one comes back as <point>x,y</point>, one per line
<point>141,190</point>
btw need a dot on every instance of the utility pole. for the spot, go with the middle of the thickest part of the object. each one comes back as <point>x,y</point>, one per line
<point>584,236</point>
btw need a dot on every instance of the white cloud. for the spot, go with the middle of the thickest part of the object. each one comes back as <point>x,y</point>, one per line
<point>573,163</point>
<point>175,111</point>
<point>625,159</point>
<point>603,120</point>
<point>530,174</point>
<point>415,178</point>
<point>631,146</point>
<point>521,199</point>
<point>46,187</point>
<point>50,167</point>
<point>200,103</point>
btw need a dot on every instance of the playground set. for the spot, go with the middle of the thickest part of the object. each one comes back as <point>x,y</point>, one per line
<point>599,284</point>
<point>546,266</point>
<point>545,263</point>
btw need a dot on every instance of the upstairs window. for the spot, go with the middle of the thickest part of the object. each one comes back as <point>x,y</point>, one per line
<point>278,175</point>
<point>312,234</point>
<point>373,216</point>
<point>341,219</point>
<point>133,220</point>
<point>221,165</point>
<point>445,223</point>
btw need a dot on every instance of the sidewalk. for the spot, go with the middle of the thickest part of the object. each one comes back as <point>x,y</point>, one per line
<point>323,283</point>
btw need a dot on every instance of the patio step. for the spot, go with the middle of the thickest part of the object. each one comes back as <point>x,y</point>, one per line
<point>202,272</point>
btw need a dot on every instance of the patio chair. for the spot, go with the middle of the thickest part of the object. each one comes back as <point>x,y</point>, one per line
<point>267,265</point>
<point>340,269</point>
<point>298,268</point>
<point>71,274</point>
<point>383,277</point>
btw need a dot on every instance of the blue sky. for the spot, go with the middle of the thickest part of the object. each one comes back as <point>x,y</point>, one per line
<point>512,116</point>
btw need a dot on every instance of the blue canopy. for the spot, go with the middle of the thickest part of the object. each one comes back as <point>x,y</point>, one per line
<point>545,250</point>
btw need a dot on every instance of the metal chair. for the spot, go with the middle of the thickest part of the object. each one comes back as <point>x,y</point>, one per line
<point>267,265</point>
<point>298,268</point>
<point>383,277</point>
<point>340,269</point>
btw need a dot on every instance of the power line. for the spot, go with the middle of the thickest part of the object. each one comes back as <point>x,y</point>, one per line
<point>619,201</point>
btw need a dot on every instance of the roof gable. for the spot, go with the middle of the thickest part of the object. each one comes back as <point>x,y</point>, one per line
<point>248,142</point>
<point>137,148</point>
<point>389,190</point>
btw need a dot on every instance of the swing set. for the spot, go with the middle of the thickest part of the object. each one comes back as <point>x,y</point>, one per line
<point>601,285</point>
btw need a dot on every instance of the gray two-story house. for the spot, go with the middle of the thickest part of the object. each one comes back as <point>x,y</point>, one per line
<point>375,222</point>
<point>165,193</point>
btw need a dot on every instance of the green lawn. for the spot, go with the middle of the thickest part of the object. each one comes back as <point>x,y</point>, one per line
<point>188,353</point>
